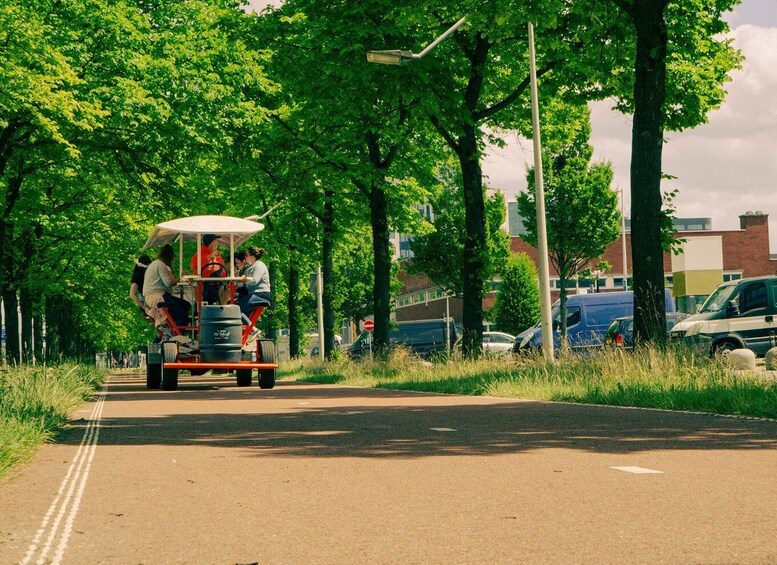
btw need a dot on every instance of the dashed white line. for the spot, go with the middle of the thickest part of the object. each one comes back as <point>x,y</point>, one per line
<point>442,429</point>
<point>638,470</point>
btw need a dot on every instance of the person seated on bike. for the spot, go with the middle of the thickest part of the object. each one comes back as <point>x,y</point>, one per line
<point>211,264</point>
<point>241,268</point>
<point>136,284</point>
<point>158,283</point>
<point>257,283</point>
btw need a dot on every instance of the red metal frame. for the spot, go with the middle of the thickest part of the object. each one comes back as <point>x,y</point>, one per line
<point>239,365</point>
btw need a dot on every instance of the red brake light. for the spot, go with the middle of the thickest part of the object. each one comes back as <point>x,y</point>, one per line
<point>619,340</point>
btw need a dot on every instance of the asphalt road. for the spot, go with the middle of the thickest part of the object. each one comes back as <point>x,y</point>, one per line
<point>217,474</point>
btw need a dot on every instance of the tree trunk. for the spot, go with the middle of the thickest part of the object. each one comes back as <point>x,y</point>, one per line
<point>382,261</point>
<point>10,310</point>
<point>53,348</point>
<point>25,308</point>
<point>293,314</point>
<point>63,339</point>
<point>328,274</point>
<point>647,146</point>
<point>474,242</point>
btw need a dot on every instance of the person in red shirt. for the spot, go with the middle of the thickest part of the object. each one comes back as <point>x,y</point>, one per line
<point>209,253</point>
<point>211,264</point>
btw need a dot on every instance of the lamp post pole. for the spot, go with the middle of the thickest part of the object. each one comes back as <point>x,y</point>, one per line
<point>539,198</point>
<point>320,304</point>
<point>623,243</point>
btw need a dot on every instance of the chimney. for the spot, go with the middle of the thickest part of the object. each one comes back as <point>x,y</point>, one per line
<point>752,219</point>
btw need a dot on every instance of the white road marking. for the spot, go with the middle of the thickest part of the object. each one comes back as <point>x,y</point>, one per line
<point>303,402</point>
<point>638,470</point>
<point>73,483</point>
<point>442,429</point>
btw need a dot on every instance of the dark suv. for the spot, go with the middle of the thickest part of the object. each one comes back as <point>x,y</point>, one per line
<point>422,337</point>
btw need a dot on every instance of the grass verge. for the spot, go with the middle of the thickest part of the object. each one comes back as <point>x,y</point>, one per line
<point>35,403</point>
<point>648,377</point>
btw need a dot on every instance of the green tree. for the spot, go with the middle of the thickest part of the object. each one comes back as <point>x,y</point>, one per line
<point>582,215</point>
<point>354,273</point>
<point>681,59</point>
<point>356,121</point>
<point>517,305</point>
<point>111,118</point>
<point>439,253</point>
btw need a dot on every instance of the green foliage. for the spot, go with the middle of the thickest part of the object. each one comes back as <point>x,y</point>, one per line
<point>581,211</point>
<point>669,242</point>
<point>112,118</point>
<point>439,253</point>
<point>354,274</point>
<point>517,305</point>
<point>37,402</point>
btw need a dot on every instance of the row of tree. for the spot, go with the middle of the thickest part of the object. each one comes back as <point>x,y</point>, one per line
<point>113,118</point>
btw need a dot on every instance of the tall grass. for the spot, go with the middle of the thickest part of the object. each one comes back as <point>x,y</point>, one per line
<point>646,377</point>
<point>35,403</point>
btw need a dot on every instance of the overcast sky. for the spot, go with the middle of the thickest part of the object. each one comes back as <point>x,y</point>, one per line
<point>724,168</point>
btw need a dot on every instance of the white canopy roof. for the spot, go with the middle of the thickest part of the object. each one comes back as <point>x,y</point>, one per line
<point>189,228</point>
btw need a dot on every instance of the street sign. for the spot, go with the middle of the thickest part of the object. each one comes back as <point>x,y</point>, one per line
<point>369,325</point>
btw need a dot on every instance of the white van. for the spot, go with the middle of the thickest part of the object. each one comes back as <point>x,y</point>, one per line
<point>738,314</point>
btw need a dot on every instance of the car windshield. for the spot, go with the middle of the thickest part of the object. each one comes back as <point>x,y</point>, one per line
<point>359,340</point>
<point>718,299</point>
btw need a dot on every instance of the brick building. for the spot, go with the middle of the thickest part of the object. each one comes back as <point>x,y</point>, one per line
<point>745,254</point>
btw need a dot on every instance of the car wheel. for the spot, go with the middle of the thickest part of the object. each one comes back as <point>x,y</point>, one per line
<point>169,376</point>
<point>722,351</point>
<point>243,377</point>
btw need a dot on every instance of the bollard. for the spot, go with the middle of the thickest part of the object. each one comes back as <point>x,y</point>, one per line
<point>742,360</point>
<point>771,359</point>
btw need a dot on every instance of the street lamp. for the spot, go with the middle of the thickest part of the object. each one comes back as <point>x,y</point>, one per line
<point>397,57</point>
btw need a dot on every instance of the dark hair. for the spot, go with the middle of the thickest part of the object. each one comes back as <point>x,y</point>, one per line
<point>209,238</point>
<point>139,272</point>
<point>143,261</point>
<point>166,254</point>
<point>240,256</point>
<point>256,252</point>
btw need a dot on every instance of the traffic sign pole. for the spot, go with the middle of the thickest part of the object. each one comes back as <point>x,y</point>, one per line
<point>369,325</point>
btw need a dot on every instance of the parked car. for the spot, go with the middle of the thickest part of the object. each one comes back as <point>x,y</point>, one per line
<point>497,343</point>
<point>311,349</point>
<point>738,314</point>
<point>621,330</point>
<point>588,317</point>
<point>423,337</point>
